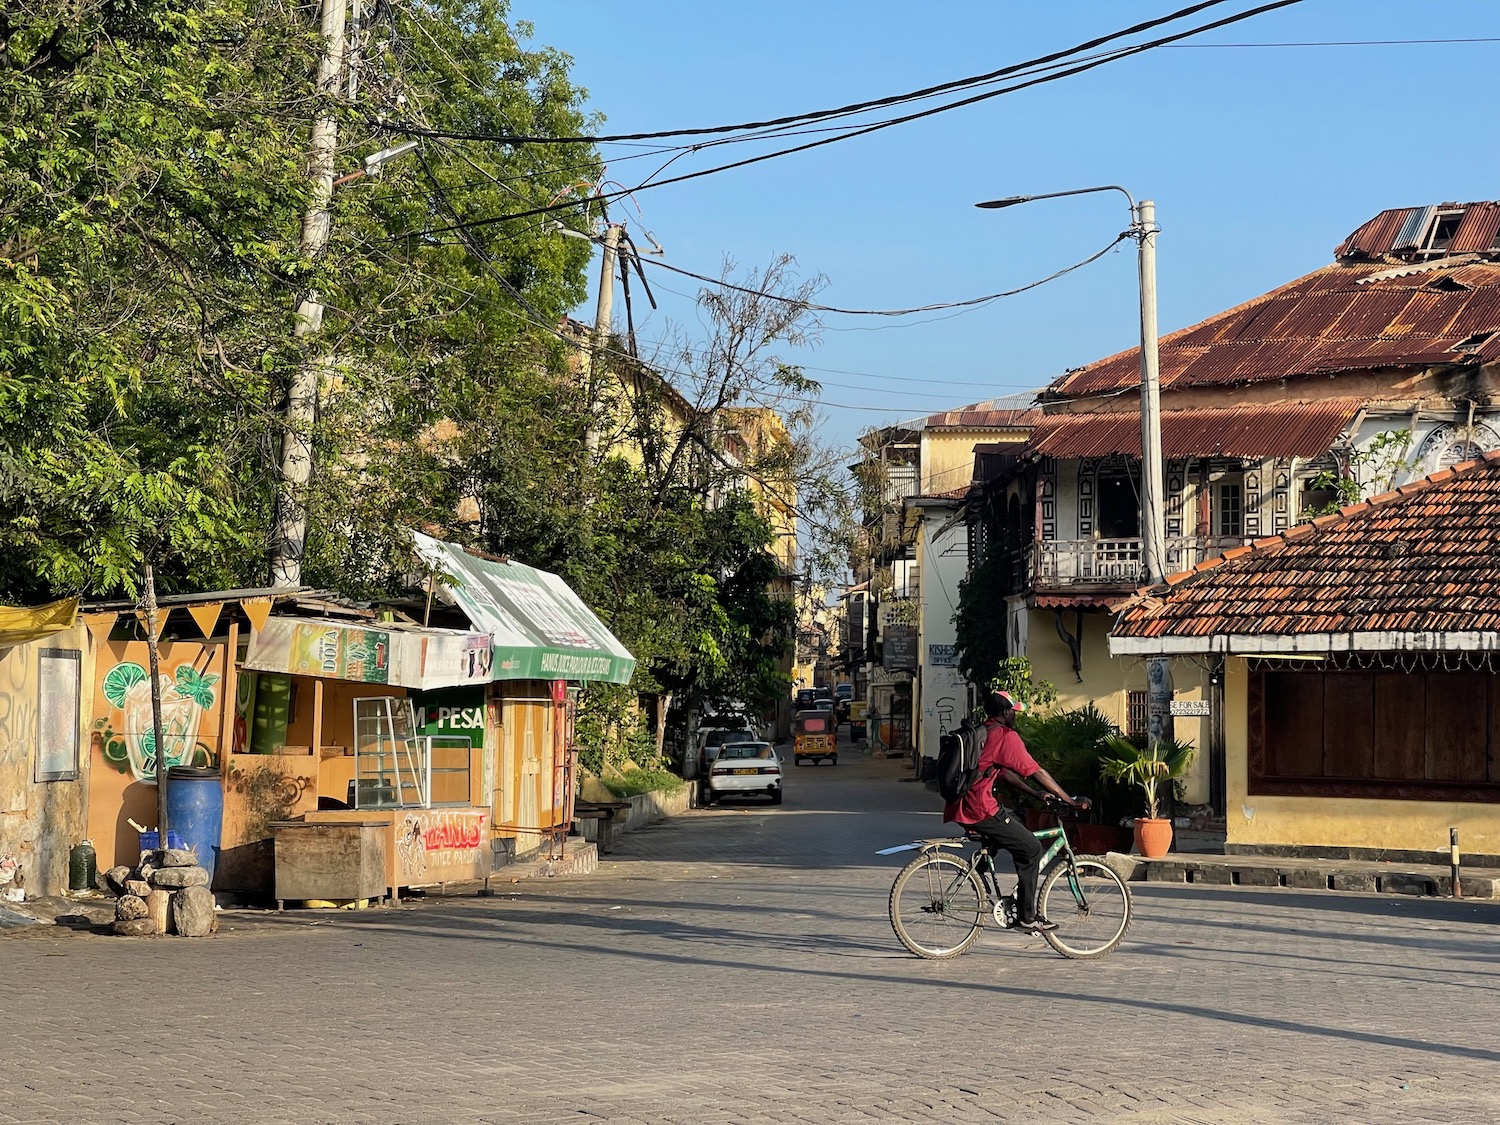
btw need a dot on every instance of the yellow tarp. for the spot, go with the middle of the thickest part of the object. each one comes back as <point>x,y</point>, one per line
<point>20,624</point>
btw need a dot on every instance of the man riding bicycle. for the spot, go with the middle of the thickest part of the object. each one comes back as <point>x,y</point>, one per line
<point>1004,758</point>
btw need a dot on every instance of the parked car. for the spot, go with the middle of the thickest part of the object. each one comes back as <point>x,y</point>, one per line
<point>844,692</point>
<point>745,769</point>
<point>710,739</point>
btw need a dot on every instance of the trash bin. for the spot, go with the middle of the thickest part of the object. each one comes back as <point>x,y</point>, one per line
<point>195,811</point>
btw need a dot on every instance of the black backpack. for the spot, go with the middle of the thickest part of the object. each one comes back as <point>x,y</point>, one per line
<point>958,760</point>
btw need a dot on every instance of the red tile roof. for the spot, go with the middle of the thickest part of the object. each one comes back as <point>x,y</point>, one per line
<point>1272,430</point>
<point>1422,559</point>
<point>1344,317</point>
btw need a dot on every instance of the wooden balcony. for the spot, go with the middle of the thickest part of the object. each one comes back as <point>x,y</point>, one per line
<point>1105,563</point>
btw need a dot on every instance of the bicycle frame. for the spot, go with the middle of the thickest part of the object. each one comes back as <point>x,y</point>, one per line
<point>982,864</point>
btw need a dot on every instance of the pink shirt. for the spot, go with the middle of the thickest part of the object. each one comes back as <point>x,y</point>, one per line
<point>1003,749</point>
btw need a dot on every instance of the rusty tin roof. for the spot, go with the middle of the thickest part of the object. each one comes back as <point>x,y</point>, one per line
<point>1350,316</point>
<point>1274,430</point>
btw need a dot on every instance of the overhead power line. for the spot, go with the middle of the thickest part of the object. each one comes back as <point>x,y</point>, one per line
<point>814,307</point>
<point>855,132</point>
<point>855,107</point>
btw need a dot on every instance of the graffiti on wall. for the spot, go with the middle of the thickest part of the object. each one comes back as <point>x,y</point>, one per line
<point>439,845</point>
<point>126,734</point>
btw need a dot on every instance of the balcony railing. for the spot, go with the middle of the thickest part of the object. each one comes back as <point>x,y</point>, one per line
<point>1105,562</point>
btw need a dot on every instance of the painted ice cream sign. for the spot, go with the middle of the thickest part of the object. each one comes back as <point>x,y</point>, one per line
<point>130,743</point>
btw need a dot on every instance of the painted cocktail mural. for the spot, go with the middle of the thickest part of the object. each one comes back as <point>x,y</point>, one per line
<point>128,736</point>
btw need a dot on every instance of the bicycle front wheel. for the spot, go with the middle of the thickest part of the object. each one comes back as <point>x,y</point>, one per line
<point>937,906</point>
<point>1091,906</point>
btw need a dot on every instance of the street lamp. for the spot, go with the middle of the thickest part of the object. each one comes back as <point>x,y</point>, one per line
<point>1143,229</point>
<point>1153,533</point>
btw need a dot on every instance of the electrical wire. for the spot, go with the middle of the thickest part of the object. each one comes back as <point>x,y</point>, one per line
<point>971,302</point>
<point>857,107</point>
<point>876,126</point>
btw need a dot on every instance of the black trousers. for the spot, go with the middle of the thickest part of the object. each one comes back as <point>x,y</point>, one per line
<point>1006,831</point>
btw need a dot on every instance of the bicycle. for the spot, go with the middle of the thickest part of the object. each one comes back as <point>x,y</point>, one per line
<point>939,901</point>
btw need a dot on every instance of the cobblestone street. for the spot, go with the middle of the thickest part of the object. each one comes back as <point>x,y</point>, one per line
<point>736,966</point>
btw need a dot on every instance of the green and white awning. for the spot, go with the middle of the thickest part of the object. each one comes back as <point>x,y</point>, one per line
<point>540,628</point>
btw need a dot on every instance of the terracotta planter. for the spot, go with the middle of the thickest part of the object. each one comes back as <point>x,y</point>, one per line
<point>1153,838</point>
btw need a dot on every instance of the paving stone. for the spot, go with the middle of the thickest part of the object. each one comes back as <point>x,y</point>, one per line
<point>735,966</point>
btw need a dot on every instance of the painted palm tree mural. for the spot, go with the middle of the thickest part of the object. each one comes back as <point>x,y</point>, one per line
<point>129,742</point>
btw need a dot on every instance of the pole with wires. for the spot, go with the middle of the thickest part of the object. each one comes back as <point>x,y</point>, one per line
<point>599,345</point>
<point>289,535</point>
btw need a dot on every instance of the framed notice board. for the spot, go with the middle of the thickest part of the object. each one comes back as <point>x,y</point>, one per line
<point>59,686</point>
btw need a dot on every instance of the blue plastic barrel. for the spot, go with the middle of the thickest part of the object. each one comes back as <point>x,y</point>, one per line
<point>195,810</point>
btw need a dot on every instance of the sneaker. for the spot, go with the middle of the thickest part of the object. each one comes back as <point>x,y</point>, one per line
<point>1036,926</point>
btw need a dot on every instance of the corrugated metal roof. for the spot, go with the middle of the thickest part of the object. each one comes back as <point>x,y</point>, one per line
<point>983,416</point>
<point>1339,318</point>
<point>1280,430</point>
<point>1425,558</point>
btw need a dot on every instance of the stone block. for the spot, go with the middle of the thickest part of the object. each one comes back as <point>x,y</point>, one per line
<point>1353,881</point>
<point>177,877</point>
<point>159,910</point>
<point>1256,876</point>
<point>193,911</point>
<point>1479,886</point>
<point>134,927</point>
<point>1165,871</point>
<point>1211,874</point>
<point>1404,883</point>
<point>138,887</point>
<point>175,857</point>
<point>1306,878</point>
<point>1127,867</point>
<point>115,879</point>
<point>128,907</point>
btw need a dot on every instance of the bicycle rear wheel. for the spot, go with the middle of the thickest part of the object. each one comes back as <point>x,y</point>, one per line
<point>1092,909</point>
<point>937,906</point>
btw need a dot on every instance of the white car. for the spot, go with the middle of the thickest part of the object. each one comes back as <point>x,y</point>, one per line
<point>744,769</point>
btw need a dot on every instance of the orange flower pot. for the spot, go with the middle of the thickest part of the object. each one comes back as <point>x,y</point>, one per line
<point>1153,838</point>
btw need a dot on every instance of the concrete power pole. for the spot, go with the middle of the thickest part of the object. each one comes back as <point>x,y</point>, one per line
<point>599,343</point>
<point>1153,522</point>
<point>289,536</point>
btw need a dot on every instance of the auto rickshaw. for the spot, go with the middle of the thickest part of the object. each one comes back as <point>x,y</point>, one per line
<point>814,737</point>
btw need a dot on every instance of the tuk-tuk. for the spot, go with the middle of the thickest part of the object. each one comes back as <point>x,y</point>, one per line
<point>814,737</point>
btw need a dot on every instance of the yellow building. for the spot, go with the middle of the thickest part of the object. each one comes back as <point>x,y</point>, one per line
<point>1360,705</point>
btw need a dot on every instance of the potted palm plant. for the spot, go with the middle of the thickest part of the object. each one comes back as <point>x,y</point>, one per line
<point>1148,767</point>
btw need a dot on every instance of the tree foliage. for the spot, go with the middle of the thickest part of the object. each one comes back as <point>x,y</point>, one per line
<point>153,186</point>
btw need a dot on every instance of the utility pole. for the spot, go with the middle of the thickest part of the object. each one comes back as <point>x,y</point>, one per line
<point>599,344</point>
<point>1153,522</point>
<point>289,536</point>
<point>1153,525</point>
<point>153,654</point>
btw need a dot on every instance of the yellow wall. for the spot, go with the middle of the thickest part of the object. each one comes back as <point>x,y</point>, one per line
<point>1108,680</point>
<point>948,456</point>
<point>1334,821</point>
<point>41,820</point>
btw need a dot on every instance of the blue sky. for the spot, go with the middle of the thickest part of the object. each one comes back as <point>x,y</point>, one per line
<point>1260,160</point>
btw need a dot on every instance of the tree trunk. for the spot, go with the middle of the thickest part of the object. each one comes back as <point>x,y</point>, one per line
<point>663,705</point>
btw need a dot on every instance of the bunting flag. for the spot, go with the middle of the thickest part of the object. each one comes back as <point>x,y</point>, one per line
<point>161,620</point>
<point>100,625</point>
<point>258,610</point>
<point>207,616</point>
